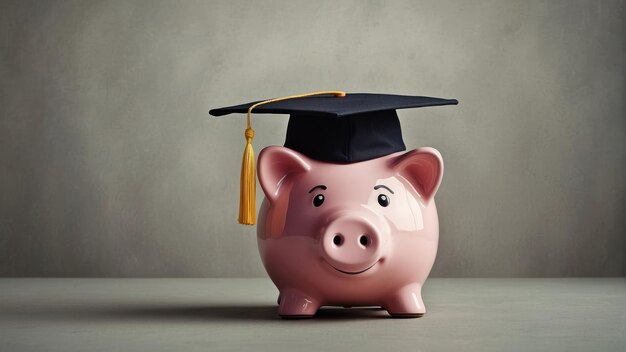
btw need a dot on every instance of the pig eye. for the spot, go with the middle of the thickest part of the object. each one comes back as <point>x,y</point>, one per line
<point>383,200</point>
<point>318,200</point>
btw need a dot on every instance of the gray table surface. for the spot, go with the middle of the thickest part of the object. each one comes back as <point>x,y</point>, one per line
<point>240,314</point>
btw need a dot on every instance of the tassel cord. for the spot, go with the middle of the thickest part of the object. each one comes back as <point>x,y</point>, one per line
<point>247,186</point>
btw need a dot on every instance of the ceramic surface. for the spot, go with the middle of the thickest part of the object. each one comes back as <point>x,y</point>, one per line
<point>361,234</point>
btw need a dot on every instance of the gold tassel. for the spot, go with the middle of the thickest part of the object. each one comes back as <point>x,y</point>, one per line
<point>247,194</point>
<point>247,184</point>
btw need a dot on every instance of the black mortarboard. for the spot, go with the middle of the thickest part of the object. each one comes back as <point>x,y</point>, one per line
<point>328,126</point>
<point>342,129</point>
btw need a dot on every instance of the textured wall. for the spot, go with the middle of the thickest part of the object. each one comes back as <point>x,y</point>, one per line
<point>111,166</point>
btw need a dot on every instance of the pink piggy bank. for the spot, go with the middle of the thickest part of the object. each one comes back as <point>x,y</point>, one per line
<point>360,234</point>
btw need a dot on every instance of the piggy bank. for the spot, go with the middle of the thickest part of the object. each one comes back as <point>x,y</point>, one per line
<point>359,234</point>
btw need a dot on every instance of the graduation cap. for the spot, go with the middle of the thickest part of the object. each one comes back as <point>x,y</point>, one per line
<point>329,126</point>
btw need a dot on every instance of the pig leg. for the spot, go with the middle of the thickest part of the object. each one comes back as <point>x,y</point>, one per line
<point>406,302</point>
<point>295,304</point>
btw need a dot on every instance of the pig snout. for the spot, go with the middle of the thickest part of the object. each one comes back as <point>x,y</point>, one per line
<point>352,243</point>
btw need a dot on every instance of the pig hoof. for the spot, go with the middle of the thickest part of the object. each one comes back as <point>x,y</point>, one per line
<point>406,303</point>
<point>295,305</point>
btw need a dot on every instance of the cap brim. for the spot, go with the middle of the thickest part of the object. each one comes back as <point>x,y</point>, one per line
<point>332,106</point>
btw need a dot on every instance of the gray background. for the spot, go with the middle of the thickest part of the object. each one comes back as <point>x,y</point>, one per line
<point>111,166</point>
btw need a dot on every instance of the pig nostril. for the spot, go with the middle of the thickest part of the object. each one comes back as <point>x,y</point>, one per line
<point>364,240</point>
<point>338,240</point>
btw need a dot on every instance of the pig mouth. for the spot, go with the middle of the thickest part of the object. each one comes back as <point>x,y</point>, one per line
<point>354,272</point>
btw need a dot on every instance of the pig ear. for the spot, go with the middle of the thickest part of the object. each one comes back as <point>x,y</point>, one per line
<point>275,165</point>
<point>422,168</point>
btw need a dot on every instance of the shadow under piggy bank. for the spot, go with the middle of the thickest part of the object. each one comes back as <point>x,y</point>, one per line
<point>237,313</point>
<point>186,313</point>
